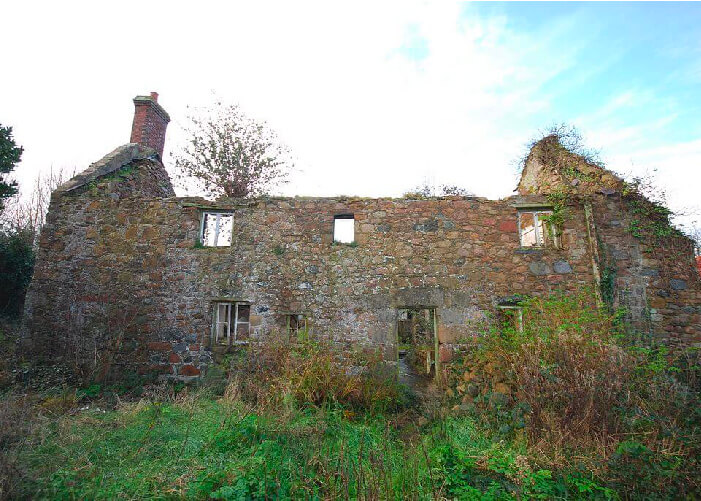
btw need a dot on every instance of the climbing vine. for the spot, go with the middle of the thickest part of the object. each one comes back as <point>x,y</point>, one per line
<point>560,212</point>
<point>650,219</point>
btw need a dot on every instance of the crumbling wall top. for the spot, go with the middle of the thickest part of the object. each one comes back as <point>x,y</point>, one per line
<point>551,167</point>
<point>108,164</point>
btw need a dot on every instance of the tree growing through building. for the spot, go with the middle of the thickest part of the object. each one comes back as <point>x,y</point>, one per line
<point>232,155</point>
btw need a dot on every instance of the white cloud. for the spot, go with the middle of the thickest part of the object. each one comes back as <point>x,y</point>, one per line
<point>362,117</point>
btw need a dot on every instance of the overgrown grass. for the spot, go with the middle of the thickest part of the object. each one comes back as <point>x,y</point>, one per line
<point>565,409</point>
<point>280,374</point>
<point>201,448</point>
<point>581,394</point>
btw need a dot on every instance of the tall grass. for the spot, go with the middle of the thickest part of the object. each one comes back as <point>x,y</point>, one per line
<point>573,386</point>
<point>565,409</point>
<point>279,374</point>
<point>198,448</point>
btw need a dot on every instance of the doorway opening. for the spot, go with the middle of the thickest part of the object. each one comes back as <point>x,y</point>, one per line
<point>417,344</point>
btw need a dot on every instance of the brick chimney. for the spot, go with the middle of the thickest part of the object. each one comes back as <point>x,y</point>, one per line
<point>150,122</point>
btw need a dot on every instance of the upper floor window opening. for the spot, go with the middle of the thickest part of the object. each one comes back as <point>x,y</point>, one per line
<point>344,228</point>
<point>535,228</point>
<point>216,229</point>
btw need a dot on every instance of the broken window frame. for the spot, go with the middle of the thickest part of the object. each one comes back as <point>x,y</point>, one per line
<point>217,228</point>
<point>410,314</point>
<point>301,324</point>
<point>518,314</point>
<point>544,229</point>
<point>229,337</point>
<point>338,217</point>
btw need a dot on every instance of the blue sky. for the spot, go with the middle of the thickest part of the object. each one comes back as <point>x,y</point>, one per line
<point>637,64</point>
<point>373,97</point>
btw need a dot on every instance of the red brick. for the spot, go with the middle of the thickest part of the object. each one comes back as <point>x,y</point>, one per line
<point>508,225</point>
<point>159,346</point>
<point>189,370</point>
<point>174,358</point>
<point>157,369</point>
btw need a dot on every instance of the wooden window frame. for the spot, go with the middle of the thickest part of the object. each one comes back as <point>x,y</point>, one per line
<point>230,337</point>
<point>540,237</point>
<point>519,315</point>
<point>217,226</point>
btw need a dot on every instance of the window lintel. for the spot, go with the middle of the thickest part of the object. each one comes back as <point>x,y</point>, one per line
<point>532,206</point>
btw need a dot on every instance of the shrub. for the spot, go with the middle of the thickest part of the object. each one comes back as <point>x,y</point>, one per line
<point>16,266</point>
<point>570,383</point>
<point>278,372</point>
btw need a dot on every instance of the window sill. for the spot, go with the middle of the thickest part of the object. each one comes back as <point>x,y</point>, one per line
<point>211,247</point>
<point>233,343</point>
<point>530,250</point>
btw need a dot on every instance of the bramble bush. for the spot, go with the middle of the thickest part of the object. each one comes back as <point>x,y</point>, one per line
<point>565,409</point>
<point>280,373</point>
<point>571,385</point>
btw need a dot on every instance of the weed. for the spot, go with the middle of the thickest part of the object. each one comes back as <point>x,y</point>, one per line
<point>571,381</point>
<point>279,372</point>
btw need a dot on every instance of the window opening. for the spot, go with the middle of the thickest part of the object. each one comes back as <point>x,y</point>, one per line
<point>344,228</point>
<point>534,228</point>
<point>296,325</point>
<point>511,317</point>
<point>216,229</point>
<point>232,322</point>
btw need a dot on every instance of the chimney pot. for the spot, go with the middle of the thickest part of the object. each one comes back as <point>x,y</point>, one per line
<point>150,123</point>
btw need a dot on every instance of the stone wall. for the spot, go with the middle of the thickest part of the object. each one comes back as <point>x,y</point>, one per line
<point>122,283</point>
<point>652,269</point>
<point>133,266</point>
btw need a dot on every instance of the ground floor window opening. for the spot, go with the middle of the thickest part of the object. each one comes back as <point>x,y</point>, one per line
<point>296,325</point>
<point>231,322</point>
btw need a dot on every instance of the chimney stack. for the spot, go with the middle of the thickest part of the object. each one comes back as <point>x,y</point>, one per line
<point>150,122</point>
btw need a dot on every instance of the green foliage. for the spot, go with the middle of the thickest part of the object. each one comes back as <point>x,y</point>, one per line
<point>293,374</point>
<point>10,155</point>
<point>650,218</point>
<point>198,448</point>
<point>560,409</point>
<point>300,439</point>
<point>231,154</point>
<point>16,267</point>
<point>571,382</point>
<point>560,212</point>
<point>278,250</point>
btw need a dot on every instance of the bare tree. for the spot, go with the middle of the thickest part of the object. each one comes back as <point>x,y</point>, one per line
<point>232,155</point>
<point>26,212</point>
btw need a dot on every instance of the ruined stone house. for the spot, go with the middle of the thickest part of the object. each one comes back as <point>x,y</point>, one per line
<point>130,277</point>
